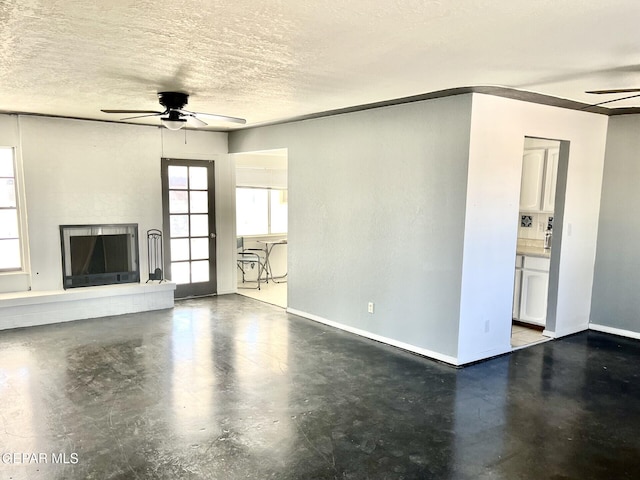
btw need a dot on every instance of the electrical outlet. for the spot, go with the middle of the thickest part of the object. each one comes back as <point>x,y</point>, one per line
<point>370,307</point>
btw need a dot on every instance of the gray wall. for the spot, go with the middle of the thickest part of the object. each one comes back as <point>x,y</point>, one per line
<point>376,213</point>
<point>615,299</point>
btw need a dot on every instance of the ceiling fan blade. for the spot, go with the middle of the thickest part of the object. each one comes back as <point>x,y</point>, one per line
<point>223,118</point>
<point>142,116</point>
<point>131,111</point>
<point>614,100</point>
<point>195,120</point>
<point>615,90</point>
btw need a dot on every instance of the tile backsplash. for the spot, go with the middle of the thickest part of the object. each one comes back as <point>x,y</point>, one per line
<point>533,225</point>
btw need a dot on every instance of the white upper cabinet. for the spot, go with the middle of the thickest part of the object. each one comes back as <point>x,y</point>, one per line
<point>550,180</point>
<point>539,178</point>
<point>532,178</point>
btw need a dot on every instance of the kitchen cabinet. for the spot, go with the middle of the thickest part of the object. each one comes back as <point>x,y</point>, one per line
<point>533,297</point>
<point>533,282</point>
<point>539,176</point>
<point>532,179</point>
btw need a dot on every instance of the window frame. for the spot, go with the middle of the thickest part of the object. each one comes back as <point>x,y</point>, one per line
<point>268,190</point>
<point>18,209</point>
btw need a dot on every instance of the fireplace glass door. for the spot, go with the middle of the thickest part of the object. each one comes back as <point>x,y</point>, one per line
<point>189,226</point>
<point>99,254</point>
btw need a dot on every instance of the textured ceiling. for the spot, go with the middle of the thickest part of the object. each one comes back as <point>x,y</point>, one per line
<point>268,60</point>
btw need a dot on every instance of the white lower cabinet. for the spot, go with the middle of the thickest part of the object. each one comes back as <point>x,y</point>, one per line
<point>533,298</point>
<point>531,290</point>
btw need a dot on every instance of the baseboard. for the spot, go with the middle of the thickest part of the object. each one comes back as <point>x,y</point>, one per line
<point>486,355</point>
<point>567,332</point>
<point>226,292</point>
<point>378,338</point>
<point>614,331</point>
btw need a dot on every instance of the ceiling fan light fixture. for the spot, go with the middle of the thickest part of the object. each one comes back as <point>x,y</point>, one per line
<point>174,123</point>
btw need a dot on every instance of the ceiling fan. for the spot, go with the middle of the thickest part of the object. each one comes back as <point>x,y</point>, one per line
<point>615,90</point>
<point>174,117</point>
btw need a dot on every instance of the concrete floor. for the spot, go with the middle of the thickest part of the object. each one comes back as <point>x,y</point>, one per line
<point>229,388</point>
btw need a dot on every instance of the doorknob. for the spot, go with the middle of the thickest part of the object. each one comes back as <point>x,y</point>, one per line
<point>212,235</point>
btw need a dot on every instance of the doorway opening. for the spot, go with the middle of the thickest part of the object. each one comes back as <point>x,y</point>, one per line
<point>262,224</point>
<point>542,188</point>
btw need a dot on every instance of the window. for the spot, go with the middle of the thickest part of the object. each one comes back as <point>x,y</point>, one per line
<point>278,211</point>
<point>261,211</point>
<point>10,258</point>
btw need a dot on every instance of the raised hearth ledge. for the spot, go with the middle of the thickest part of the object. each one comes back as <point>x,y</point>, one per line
<point>27,309</point>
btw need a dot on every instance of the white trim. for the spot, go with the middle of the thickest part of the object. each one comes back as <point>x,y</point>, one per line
<point>614,331</point>
<point>571,331</point>
<point>549,333</point>
<point>227,292</point>
<point>486,355</point>
<point>379,338</point>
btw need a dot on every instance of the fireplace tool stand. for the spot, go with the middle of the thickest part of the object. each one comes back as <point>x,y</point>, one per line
<point>154,250</point>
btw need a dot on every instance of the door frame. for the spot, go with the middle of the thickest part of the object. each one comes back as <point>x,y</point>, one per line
<point>558,221</point>
<point>558,231</point>
<point>191,289</point>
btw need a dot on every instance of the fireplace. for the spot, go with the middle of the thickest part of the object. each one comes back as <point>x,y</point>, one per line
<point>99,255</point>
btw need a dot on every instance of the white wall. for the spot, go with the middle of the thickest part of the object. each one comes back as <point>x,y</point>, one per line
<point>615,306</point>
<point>498,131</point>
<point>376,213</point>
<point>81,172</point>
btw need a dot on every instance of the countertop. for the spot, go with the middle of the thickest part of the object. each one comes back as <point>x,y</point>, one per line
<point>533,251</point>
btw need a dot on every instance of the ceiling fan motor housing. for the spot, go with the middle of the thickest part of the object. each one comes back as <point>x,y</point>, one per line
<point>175,116</point>
<point>173,100</point>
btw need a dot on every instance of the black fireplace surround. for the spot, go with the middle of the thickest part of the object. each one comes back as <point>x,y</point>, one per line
<point>99,254</point>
